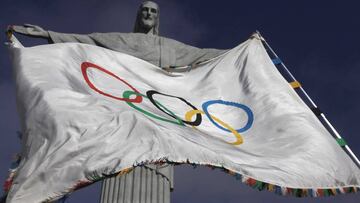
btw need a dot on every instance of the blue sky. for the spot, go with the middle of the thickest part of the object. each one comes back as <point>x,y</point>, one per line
<point>318,41</point>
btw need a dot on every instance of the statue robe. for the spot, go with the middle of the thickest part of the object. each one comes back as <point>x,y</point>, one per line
<point>160,51</point>
<point>151,182</point>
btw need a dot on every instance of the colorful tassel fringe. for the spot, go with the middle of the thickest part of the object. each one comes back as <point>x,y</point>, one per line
<point>256,184</point>
<point>12,171</point>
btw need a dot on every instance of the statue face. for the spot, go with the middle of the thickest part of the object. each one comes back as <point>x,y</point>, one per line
<point>149,14</point>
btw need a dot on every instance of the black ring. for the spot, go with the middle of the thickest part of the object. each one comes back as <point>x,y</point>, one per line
<point>198,119</point>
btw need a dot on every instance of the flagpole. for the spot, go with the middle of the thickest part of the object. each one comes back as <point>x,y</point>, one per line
<point>313,105</point>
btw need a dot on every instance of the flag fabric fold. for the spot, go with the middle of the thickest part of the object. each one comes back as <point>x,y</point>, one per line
<point>87,112</point>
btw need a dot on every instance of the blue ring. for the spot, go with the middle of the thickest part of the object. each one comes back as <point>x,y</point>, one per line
<point>241,106</point>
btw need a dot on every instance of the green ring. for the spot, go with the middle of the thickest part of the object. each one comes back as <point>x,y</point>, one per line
<point>127,95</point>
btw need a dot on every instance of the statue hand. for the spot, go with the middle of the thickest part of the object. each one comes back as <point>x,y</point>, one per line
<point>31,30</point>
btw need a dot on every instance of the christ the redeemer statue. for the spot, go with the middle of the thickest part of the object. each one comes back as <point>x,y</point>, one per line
<point>149,183</point>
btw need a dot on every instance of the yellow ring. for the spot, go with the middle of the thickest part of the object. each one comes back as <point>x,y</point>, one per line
<point>239,139</point>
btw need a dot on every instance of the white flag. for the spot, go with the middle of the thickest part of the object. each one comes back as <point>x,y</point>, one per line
<point>87,112</point>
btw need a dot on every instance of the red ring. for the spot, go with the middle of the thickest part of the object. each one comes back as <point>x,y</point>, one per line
<point>86,65</point>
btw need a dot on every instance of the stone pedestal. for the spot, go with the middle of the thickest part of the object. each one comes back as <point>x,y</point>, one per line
<point>146,184</point>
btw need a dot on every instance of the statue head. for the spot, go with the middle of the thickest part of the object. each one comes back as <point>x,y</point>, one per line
<point>147,19</point>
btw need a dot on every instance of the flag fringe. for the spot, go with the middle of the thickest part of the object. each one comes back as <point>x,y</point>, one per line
<point>252,182</point>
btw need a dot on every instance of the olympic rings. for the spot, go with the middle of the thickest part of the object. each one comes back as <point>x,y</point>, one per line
<point>238,137</point>
<point>241,106</point>
<point>127,95</point>
<point>188,116</point>
<point>86,65</point>
<point>198,119</point>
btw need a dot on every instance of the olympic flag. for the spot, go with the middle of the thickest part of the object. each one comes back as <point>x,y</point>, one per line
<point>88,112</point>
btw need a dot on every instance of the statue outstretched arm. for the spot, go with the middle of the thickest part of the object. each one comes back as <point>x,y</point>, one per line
<point>53,37</point>
<point>188,57</point>
<point>30,30</point>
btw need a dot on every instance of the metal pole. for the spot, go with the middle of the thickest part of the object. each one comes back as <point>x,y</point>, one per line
<point>322,115</point>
